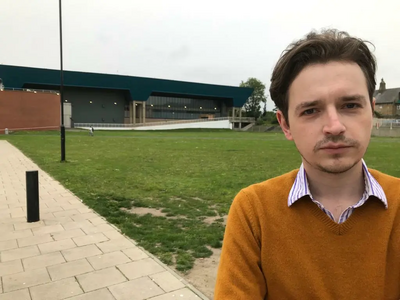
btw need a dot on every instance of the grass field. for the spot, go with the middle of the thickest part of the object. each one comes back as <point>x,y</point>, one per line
<point>189,175</point>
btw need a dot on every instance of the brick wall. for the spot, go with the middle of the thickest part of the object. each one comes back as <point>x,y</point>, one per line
<point>385,109</point>
<point>27,110</point>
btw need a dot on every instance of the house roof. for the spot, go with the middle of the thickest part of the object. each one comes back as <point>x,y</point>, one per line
<point>139,88</point>
<point>387,96</point>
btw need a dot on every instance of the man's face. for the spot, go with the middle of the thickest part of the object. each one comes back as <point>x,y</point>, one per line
<point>330,116</point>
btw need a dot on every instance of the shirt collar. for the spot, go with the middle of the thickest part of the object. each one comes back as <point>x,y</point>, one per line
<point>301,188</point>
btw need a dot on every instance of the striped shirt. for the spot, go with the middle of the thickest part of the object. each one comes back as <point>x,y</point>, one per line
<point>301,188</point>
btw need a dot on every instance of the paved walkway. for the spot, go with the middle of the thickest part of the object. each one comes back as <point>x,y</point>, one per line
<point>71,253</point>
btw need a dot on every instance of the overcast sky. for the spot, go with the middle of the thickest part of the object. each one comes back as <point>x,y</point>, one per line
<point>218,41</point>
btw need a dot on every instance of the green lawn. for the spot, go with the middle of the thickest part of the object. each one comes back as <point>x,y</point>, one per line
<point>189,175</point>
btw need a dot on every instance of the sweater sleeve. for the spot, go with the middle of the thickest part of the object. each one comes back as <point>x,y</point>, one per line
<point>240,274</point>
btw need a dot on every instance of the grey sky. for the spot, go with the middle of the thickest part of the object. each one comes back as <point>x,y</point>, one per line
<point>219,42</point>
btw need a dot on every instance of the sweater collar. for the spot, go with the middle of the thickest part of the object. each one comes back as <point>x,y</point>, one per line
<point>301,188</point>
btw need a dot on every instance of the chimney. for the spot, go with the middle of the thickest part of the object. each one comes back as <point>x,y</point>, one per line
<point>382,86</point>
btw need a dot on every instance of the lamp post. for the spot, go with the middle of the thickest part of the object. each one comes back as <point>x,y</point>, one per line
<point>62,128</point>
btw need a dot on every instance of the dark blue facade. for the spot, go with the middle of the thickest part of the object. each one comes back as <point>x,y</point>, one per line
<point>104,97</point>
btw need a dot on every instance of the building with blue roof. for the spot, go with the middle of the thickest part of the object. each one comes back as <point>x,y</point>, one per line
<point>110,98</point>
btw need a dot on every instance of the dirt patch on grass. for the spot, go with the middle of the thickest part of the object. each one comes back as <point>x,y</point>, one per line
<point>141,211</point>
<point>210,220</point>
<point>204,273</point>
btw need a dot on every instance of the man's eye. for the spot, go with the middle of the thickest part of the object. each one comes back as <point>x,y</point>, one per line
<point>351,105</point>
<point>309,111</point>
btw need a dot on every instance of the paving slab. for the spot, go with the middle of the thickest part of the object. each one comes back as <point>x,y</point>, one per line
<point>12,235</point>
<point>103,294</point>
<point>43,261</point>
<point>108,260</point>
<point>11,267</point>
<point>72,252</point>
<point>56,290</point>
<point>69,269</point>
<point>183,294</point>
<point>115,245</point>
<point>17,295</point>
<point>141,268</point>
<point>68,234</point>
<point>47,229</point>
<point>138,289</point>
<point>135,253</point>
<point>100,279</point>
<point>34,240</point>
<point>7,245</point>
<point>25,279</point>
<point>56,246</point>
<point>81,252</point>
<point>167,281</point>
<point>19,253</point>
<point>90,239</point>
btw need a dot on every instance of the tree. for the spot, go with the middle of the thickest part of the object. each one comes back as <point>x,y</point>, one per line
<point>265,107</point>
<point>253,104</point>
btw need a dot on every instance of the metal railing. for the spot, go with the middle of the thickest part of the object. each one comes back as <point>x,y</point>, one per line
<point>386,123</point>
<point>242,119</point>
<point>14,129</point>
<point>180,121</point>
<point>103,125</point>
<point>29,90</point>
<point>119,125</point>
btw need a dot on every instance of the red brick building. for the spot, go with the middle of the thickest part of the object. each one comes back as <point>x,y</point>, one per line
<point>29,110</point>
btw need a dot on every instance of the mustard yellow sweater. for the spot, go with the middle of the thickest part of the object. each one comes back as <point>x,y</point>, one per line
<point>272,251</point>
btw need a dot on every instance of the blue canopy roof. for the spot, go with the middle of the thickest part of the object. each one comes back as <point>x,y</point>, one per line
<point>139,88</point>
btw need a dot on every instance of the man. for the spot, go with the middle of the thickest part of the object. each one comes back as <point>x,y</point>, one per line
<point>331,229</point>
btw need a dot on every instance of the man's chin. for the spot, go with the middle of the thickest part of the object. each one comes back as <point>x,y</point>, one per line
<point>337,165</point>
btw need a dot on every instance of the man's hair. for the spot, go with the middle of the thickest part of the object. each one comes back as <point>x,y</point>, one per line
<point>329,45</point>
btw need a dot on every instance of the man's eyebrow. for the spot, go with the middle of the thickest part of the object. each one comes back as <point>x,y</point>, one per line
<point>348,98</point>
<point>306,104</point>
<point>353,98</point>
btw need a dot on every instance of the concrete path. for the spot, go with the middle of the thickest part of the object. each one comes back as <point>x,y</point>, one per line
<point>71,253</point>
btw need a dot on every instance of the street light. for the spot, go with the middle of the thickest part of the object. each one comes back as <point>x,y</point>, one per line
<point>62,128</point>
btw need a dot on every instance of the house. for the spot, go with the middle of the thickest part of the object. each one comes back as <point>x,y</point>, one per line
<point>387,101</point>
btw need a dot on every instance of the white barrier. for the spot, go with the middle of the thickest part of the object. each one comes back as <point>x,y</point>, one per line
<point>223,124</point>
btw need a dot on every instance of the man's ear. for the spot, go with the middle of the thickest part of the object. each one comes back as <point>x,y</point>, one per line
<point>373,111</point>
<point>284,125</point>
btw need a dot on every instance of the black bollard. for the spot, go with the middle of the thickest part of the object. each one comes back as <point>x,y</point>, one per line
<point>32,196</point>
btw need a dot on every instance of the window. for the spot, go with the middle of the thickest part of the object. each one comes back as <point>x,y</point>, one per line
<point>158,107</point>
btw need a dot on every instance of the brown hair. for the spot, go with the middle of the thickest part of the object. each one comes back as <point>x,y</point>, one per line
<point>329,45</point>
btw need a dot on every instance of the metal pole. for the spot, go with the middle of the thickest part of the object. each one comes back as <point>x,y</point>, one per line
<point>32,196</point>
<point>62,128</point>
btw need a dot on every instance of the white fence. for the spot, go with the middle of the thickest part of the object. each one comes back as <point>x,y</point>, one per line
<point>190,122</point>
<point>132,126</point>
<point>212,124</point>
<point>386,123</point>
<point>30,90</point>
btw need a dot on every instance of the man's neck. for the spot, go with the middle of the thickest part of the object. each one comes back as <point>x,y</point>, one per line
<point>348,186</point>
